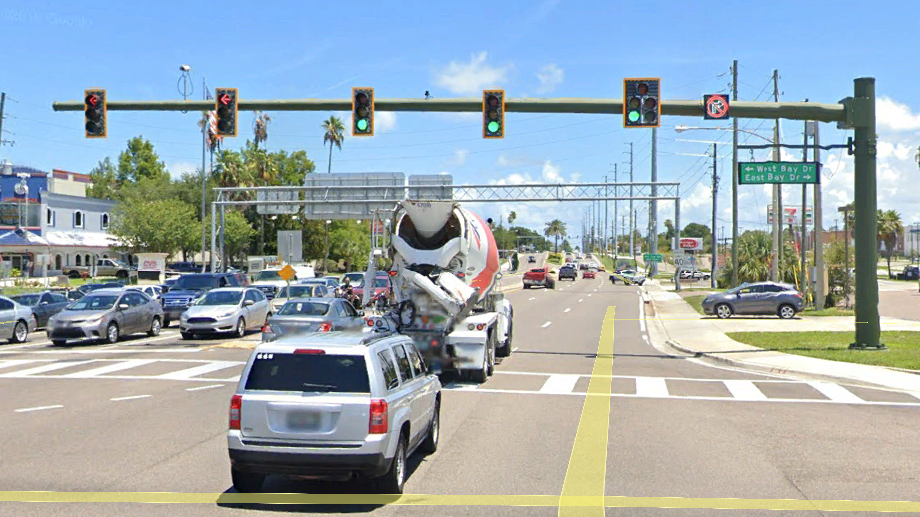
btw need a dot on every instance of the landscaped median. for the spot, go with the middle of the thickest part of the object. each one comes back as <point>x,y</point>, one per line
<point>903,346</point>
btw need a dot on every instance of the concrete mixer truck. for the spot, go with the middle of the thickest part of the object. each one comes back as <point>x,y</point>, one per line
<point>445,275</point>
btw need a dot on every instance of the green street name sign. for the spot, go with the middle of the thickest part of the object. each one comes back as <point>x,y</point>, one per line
<point>652,257</point>
<point>759,173</point>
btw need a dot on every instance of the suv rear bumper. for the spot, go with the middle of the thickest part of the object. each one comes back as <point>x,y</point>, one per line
<point>369,465</point>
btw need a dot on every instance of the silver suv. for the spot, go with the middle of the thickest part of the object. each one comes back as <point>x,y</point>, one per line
<point>333,406</point>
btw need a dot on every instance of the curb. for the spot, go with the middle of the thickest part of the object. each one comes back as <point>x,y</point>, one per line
<point>754,367</point>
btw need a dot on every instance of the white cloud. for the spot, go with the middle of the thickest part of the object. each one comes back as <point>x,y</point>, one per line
<point>386,121</point>
<point>472,77</point>
<point>894,116</point>
<point>177,169</point>
<point>460,156</point>
<point>550,77</point>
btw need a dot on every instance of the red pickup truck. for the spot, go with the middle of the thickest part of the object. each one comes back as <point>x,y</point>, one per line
<point>538,276</point>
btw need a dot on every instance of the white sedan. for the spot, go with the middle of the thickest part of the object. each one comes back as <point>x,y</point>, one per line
<point>226,310</point>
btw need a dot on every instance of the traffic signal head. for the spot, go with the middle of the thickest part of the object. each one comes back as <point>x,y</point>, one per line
<point>95,110</point>
<point>227,114</point>
<point>362,112</point>
<point>641,107</point>
<point>493,114</point>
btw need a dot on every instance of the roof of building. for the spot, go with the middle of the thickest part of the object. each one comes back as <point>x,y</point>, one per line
<point>81,239</point>
<point>21,238</point>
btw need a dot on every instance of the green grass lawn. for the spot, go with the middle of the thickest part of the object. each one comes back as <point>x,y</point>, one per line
<point>833,311</point>
<point>696,301</point>
<point>903,347</point>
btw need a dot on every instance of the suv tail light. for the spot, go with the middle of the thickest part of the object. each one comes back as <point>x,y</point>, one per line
<point>798,295</point>
<point>324,327</point>
<point>378,420</point>
<point>236,408</point>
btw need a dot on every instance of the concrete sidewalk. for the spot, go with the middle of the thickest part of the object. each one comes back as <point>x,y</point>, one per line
<point>684,329</point>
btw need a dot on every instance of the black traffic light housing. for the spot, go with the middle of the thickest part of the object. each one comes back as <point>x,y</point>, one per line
<point>642,102</point>
<point>362,112</point>
<point>227,113</point>
<point>94,108</point>
<point>493,113</point>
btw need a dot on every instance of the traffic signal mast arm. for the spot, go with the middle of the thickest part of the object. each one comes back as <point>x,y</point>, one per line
<point>685,108</point>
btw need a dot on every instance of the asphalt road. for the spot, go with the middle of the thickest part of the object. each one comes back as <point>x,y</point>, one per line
<point>149,415</point>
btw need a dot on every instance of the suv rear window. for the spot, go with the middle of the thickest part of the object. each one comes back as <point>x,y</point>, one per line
<point>291,372</point>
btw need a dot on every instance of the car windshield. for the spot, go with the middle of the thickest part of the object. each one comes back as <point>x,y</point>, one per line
<point>354,278</point>
<point>27,299</point>
<point>194,282</point>
<point>94,303</point>
<point>221,298</point>
<point>268,275</point>
<point>304,309</point>
<point>297,291</point>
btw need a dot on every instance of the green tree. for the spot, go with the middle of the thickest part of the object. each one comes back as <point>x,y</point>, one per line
<point>140,160</point>
<point>334,134</point>
<point>105,182</point>
<point>157,225</point>
<point>890,229</point>
<point>350,242</point>
<point>555,229</point>
<point>511,217</point>
<point>237,235</point>
<point>670,232</point>
<point>260,128</point>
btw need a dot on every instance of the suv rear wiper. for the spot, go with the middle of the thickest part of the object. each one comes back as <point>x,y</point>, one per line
<point>318,387</point>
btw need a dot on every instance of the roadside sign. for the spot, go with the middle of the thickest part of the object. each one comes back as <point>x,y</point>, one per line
<point>717,107</point>
<point>652,257</point>
<point>287,273</point>
<point>760,173</point>
<point>791,215</point>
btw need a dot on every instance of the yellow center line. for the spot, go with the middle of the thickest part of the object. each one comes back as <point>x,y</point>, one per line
<point>587,470</point>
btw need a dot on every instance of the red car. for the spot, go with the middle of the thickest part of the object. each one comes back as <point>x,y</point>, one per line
<point>588,274</point>
<point>538,276</point>
<point>381,285</point>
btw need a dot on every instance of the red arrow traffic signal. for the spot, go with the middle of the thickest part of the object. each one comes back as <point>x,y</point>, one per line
<point>225,99</point>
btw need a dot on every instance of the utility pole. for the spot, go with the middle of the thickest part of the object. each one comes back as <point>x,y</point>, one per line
<point>616,239</point>
<point>735,178</point>
<point>819,228</point>
<point>777,192</point>
<point>632,219</point>
<point>2,103</point>
<point>606,208</point>
<point>204,188</point>
<point>715,196</point>
<point>653,205</point>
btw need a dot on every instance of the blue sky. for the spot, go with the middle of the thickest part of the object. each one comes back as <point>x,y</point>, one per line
<point>53,50</point>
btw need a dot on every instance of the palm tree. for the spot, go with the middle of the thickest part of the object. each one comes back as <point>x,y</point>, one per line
<point>755,249</point>
<point>917,156</point>
<point>890,228</point>
<point>511,217</point>
<point>335,135</point>
<point>555,228</point>
<point>260,127</point>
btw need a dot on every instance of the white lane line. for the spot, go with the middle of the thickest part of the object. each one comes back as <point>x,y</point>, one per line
<point>141,341</point>
<point>641,315</point>
<point>9,363</point>
<point>548,323</point>
<point>567,310</point>
<point>99,351</point>
<point>562,383</point>
<point>199,388</point>
<point>46,368</point>
<point>198,370</point>
<point>589,295</point>
<point>653,387</point>
<point>124,365</point>
<point>515,349</point>
<point>39,408</point>
<point>231,379</point>
<point>744,390</point>
<point>581,300</point>
<point>531,299</point>
<point>133,397</point>
<point>835,392</point>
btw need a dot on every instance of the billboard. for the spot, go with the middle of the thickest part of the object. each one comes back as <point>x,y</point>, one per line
<point>689,244</point>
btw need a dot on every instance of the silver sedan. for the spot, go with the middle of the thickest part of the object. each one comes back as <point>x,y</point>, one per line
<point>309,315</point>
<point>16,321</point>
<point>106,314</point>
<point>227,309</point>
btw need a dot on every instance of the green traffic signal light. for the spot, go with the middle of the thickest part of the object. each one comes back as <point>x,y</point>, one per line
<point>493,127</point>
<point>633,116</point>
<point>362,124</point>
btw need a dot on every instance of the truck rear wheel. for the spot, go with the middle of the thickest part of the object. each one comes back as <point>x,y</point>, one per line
<point>481,375</point>
<point>505,349</point>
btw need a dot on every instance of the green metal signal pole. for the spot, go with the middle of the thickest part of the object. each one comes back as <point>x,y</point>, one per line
<point>857,112</point>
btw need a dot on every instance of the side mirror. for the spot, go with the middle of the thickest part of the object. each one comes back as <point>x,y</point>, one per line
<point>123,306</point>
<point>247,303</point>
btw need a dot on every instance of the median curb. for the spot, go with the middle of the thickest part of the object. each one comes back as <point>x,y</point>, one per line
<point>779,370</point>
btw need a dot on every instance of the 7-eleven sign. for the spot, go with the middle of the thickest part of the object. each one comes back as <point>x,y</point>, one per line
<point>792,215</point>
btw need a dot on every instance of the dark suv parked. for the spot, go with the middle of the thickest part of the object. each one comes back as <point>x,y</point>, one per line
<point>189,288</point>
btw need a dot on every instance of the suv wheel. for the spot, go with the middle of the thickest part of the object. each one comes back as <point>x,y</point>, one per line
<point>430,445</point>
<point>154,327</point>
<point>786,311</point>
<point>392,482</point>
<point>246,482</point>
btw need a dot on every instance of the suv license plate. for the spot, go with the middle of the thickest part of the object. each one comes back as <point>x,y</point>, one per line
<point>302,421</point>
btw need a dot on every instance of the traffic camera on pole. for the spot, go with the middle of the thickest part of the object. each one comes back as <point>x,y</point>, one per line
<point>641,106</point>
<point>493,113</point>
<point>95,109</point>
<point>362,112</point>
<point>227,113</point>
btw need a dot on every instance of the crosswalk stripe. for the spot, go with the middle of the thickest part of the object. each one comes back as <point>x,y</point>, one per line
<point>198,370</point>
<point>744,390</point>
<point>46,368</point>
<point>9,363</point>
<point>95,372</point>
<point>835,392</point>
<point>560,383</point>
<point>651,387</point>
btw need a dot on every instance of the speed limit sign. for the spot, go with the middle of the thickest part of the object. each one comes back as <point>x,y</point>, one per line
<point>679,261</point>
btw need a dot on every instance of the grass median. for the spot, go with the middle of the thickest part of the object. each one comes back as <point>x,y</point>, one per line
<point>903,346</point>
